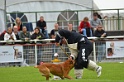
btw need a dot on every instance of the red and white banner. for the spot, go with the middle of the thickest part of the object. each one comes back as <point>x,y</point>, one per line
<point>114,49</point>
<point>11,53</point>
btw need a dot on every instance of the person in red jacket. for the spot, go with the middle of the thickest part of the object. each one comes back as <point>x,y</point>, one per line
<point>85,27</point>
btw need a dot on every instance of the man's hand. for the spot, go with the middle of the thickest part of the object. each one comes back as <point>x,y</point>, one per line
<point>57,44</point>
<point>103,35</point>
<point>11,37</point>
<point>45,27</point>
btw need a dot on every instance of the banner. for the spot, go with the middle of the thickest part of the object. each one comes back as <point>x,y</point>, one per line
<point>11,53</point>
<point>114,49</point>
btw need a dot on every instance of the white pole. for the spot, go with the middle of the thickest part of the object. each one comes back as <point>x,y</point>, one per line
<point>5,14</point>
<point>94,51</point>
<point>35,54</point>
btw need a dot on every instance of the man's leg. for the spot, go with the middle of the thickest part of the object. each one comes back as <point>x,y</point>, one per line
<point>85,51</point>
<point>84,31</point>
<point>94,67</point>
<point>78,73</point>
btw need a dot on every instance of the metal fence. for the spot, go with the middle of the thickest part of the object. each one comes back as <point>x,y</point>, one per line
<point>33,53</point>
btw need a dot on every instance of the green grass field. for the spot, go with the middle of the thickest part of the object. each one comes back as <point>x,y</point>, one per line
<point>112,72</point>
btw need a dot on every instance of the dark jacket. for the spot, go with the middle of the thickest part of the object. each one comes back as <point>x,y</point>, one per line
<point>23,36</point>
<point>40,24</point>
<point>39,35</point>
<point>17,36</point>
<point>53,32</point>
<point>99,33</point>
<point>72,37</point>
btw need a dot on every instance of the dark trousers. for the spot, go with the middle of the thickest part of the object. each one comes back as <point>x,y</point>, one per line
<point>85,49</point>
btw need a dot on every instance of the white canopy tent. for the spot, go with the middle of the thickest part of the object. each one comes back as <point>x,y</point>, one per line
<point>43,5</point>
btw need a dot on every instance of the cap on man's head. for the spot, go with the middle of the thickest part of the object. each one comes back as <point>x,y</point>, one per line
<point>56,54</point>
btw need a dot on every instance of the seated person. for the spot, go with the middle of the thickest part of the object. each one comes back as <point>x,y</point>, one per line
<point>70,28</point>
<point>37,34</point>
<point>18,23</point>
<point>16,32</point>
<point>85,27</point>
<point>54,31</point>
<point>9,35</point>
<point>24,35</point>
<point>95,21</point>
<point>99,32</point>
<point>43,27</point>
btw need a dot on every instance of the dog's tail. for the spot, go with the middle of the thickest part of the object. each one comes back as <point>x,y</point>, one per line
<point>36,66</point>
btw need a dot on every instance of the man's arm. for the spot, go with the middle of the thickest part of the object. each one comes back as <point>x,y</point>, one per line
<point>6,37</point>
<point>100,23</point>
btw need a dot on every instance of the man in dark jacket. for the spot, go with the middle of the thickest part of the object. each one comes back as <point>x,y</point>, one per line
<point>41,24</point>
<point>80,48</point>
<point>99,32</point>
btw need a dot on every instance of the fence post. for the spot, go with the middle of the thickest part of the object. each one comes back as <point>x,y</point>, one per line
<point>35,54</point>
<point>36,17</point>
<point>118,20</point>
<point>94,51</point>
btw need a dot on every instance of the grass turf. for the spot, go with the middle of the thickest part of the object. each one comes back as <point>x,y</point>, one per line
<point>112,72</point>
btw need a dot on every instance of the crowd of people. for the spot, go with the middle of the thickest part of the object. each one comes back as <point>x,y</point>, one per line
<point>20,32</point>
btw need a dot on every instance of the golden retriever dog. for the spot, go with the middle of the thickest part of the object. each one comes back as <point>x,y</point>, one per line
<point>62,70</point>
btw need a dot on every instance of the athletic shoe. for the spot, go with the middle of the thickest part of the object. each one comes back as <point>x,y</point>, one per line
<point>99,71</point>
<point>78,77</point>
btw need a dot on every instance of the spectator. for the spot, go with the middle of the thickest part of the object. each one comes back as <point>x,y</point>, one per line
<point>85,27</point>
<point>15,30</point>
<point>18,23</point>
<point>95,21</point>
<point>42,25</point>
<point>99,32</point>
<point>9,35</point>
<point>24,35</point>
<point>54,31</point>
<point>37,34</point>
<point>70,28</point>
<point>99,16</point>
<point>53,35</point>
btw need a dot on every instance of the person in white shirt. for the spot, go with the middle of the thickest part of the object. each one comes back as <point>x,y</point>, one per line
<point>9,35</point>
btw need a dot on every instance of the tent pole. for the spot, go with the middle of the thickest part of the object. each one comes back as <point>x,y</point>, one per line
<point>5,15</point>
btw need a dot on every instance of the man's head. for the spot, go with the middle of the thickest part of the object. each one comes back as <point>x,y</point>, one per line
<point>95,16</point>
<point>24,29</point>
<point>15,29</point>
<point>99,27</point>
<point>70,27</point>
<point>56,26</point>
<point>9,30</point>
<point>37,30</point>
<point>41,18</point>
